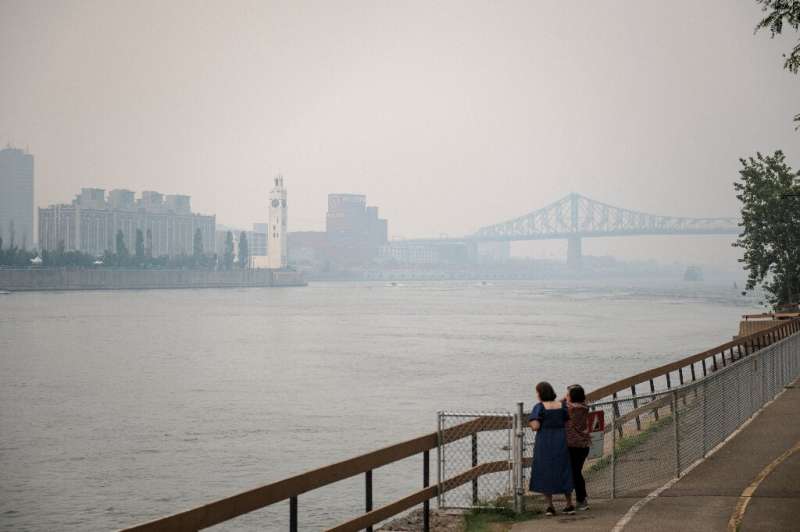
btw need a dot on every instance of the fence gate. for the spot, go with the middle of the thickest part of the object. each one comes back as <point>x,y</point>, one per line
<point>472,444</point>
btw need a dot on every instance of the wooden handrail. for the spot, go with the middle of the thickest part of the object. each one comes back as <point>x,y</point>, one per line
<point>230,507</point>
<point>789,326</point>
<point>394,508</point>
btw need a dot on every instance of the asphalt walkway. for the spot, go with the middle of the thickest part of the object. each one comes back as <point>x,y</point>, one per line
<point>762,461</point>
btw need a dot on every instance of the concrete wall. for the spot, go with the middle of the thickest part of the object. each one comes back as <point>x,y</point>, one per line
<point>112,279</point>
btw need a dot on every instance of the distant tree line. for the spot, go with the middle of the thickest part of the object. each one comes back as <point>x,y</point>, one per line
<point>141,258</point>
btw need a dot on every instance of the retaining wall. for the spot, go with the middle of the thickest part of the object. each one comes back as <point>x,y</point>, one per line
<point>120,279</point>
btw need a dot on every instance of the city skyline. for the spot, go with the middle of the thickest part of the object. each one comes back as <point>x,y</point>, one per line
<point>522,115</point>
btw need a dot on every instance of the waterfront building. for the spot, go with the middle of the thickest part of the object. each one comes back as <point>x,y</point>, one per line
<point>257,239</point>
<point>354,230</point>
<point>277,227</point>
<point>16,198</point>
<point>90,223</point>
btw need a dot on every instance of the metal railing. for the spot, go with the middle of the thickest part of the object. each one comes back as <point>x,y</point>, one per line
<point>631,413</point>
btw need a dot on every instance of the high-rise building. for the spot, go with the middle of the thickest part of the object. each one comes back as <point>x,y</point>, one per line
<point>277,232</point>
<point>91,222</point>
<point>16,198</point>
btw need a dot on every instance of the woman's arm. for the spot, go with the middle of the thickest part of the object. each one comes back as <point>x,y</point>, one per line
<point>535,425</point>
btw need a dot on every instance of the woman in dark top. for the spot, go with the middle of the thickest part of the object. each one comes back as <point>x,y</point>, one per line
<point>578,440</point>
<point>551,472</point>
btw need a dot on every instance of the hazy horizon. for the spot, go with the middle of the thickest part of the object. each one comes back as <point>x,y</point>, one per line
<point>448,116</point>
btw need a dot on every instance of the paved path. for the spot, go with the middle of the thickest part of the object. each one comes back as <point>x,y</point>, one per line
<point>707,497</point>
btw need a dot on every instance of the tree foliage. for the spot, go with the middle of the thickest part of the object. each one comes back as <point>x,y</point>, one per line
<point>227,257</point>
<point>139,246</point>
<point>780,13</point>
<point>770,226</point>
<point>244,251</point>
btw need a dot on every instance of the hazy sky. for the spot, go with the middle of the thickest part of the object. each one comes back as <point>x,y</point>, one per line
<point>447,115</point>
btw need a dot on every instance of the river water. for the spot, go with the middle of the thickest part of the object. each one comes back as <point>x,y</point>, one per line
<point>118,407</point>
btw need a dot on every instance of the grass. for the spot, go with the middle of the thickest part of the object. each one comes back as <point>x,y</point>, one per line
<point>493,516</point>
<point>482,519</point>
<point>629,443</point>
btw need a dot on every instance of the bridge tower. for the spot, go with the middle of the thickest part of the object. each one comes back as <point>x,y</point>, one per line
<point>574,252</point>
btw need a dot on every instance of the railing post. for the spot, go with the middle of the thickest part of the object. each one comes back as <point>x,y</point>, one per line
<point>705,418</point>
<point>426,481</point>
<point>615,411</point>
<point>677,434</point>
<point>613,453</point>
<point>653,390</point>
<point>636,405</point>
<point>293,514</point>
<point>368,493</point>
<point>475,464</point>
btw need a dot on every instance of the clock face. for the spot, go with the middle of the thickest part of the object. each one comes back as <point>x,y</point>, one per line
<point>275,203</point>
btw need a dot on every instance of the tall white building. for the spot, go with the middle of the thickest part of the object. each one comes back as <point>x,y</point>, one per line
<point>277,237</point>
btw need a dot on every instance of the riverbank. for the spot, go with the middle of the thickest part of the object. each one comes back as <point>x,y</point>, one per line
<point>49,279</point>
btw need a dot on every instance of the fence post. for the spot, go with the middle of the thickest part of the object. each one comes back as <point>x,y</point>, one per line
<point>426,481</point>
<point>613,453</point>
<point>439,459</point>
<point>519,453</point>
<point>368,494</point>
<point>474,464</point>
<point>293,514</point>
<point>677,434</point>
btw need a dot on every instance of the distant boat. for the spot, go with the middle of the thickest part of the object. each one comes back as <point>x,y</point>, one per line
<point>693,274</point>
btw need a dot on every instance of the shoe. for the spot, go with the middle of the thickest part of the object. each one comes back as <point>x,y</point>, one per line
<point>583,505</point>
<point>569,510</point>
<point>550,511</point>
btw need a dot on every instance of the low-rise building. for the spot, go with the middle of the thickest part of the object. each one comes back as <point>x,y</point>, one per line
<point>91,222</point>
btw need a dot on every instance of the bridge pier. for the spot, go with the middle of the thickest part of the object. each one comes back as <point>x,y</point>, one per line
<point>574,253</point>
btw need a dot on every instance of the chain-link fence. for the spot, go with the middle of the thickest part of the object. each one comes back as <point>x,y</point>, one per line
<point>647,440</point>
<point>475,445</point>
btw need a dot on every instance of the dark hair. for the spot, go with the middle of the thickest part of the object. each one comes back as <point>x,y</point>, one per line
<point>576,394</point>
<point>545,391</point>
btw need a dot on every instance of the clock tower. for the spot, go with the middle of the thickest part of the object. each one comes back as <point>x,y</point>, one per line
<point>277,241</point>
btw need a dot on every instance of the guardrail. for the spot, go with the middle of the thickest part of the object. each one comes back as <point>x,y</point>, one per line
<point>289,489</point>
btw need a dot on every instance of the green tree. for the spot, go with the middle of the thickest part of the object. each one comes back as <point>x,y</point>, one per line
<point>770,226</point>
<point>139,246</point>
<point>244,251</point>
<point>122,250</point>
<point>780,12</point>
<point>197,248</point>
<point>227,257</point>
<point>148,247</point>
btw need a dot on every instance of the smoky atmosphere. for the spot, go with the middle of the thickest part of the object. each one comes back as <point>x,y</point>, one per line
<point>399,266</point>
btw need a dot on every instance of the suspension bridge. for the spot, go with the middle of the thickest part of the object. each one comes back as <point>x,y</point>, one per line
<point>575,217</point>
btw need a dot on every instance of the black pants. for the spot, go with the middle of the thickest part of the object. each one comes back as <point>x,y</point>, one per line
<point>577,456</point>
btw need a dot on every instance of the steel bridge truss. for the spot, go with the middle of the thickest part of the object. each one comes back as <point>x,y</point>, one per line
<point>578,216</point>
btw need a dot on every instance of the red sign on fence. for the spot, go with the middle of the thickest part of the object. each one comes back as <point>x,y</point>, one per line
<point>597,428</point>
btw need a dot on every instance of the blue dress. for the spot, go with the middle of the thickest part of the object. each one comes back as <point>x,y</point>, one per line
<point>550,472</point>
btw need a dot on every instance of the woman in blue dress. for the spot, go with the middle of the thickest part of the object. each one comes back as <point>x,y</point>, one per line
<point>551,472</point>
